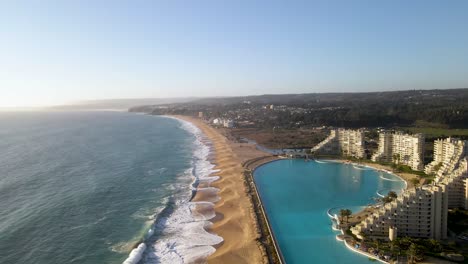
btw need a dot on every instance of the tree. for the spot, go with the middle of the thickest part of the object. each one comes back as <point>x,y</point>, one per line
<point>413,252</point>
<point>345,213</point>
<point>395,245</point>
<point>415,182</point>
<point>363,237</point>
<point>392,195</point>
<point>434,245</point>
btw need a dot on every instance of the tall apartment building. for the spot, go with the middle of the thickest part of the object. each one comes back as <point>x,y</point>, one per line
<point>447,154</point>
<point>422,211</point>
<point>401,149</point>
<point>346,142</point>
<point>417,212</point>
<point>457,184</point>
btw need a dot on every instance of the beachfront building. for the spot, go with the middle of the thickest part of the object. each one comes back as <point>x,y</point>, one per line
<point>228,123</point>
<point>417,212</point>
<point>401,148</point>
<point>422,211</point>
<point>457,185</point>
<point>345,142</point>
<point>447,154</point>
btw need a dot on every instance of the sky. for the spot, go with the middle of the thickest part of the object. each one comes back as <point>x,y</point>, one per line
<point>55,52</point>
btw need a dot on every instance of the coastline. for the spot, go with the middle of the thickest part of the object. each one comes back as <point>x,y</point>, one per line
<point>238,215</point>
<point>235,219</point>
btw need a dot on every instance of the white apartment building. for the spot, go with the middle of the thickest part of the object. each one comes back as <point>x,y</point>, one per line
<point>457,183</point>
<point>417,212</point>
<point>422,211</point>
<point>346,142</point>
<point>447,154</point>
<point>401,149</point>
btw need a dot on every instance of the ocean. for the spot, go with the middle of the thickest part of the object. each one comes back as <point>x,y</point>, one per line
<point>297,196</point>
<point>102,187</point>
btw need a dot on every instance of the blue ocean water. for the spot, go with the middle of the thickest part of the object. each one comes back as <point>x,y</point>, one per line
<point>88,187</point>
<point>297,195</point>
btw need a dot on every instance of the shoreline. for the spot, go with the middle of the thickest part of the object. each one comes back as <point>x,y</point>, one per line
<point>405,177</point>
<point>239,216</point>
<point>235,220</point>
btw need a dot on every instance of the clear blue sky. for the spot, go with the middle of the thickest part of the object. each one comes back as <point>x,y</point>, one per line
<point>53,52</point>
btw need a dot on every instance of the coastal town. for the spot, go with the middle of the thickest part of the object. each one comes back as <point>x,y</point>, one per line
<point>397,228</point>
<point>424,221</point>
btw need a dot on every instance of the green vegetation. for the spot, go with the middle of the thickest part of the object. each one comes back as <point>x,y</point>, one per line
<point>389,197</point>
<point>345,213</point>
<point>436,109</point>
<point>407,169</point>
<point>431,132</point>
<point>414,249</point>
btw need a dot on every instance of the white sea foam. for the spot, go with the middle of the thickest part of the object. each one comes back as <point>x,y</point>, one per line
<point>181,236</point>
<point>136,254</point>
<point>361,167</point>
<point>321,161</point>
<point>387,179</point>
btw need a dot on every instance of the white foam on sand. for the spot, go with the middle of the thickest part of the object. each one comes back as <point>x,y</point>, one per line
<point>182,236</point>
<point>136,254</point>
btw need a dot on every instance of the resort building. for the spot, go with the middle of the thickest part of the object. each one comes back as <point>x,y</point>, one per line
<point>457,185</point>
<point>417,212</point>
<point>401,148</point>
<point>229,123</point>
<point>345,142</point>
<point>422,211</point>
<point>447,154</point>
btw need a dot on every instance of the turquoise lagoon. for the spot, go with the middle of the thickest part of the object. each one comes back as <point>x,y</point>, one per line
<point>297,195</point>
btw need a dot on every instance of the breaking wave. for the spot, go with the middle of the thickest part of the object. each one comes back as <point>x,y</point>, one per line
<point>179,232</point>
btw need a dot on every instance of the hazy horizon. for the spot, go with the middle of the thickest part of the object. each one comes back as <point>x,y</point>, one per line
<point>58,53</point>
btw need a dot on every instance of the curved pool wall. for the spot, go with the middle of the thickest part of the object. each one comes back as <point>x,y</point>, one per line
<point>297,195</point>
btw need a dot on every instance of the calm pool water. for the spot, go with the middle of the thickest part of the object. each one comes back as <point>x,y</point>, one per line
<point>297,194</point>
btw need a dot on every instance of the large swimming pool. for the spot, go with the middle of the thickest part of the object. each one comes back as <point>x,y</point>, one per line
<point>297,194</point>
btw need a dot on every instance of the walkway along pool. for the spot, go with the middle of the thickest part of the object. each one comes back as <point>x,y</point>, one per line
<point>297,195</point>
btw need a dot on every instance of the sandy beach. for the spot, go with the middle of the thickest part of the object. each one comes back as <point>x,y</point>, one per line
<point>234,221</point>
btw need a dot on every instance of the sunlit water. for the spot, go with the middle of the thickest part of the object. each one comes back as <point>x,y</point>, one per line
<point>86,187</point>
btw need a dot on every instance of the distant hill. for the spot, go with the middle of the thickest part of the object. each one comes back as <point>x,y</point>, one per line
<point>121,104</point>
<point>446,108</point>
<point>330,99</point>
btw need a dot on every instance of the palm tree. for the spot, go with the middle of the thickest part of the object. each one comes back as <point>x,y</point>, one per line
<point>412,252</point>
<point>435,245</point>
<point>345,213</point>
<point>363,237</point>
<point>392,195</point>
<point>395,245</point>
<point>415,182</point>
<point>342,214</point>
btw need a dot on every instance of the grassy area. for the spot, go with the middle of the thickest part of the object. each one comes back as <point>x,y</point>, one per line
<point>281,138</point>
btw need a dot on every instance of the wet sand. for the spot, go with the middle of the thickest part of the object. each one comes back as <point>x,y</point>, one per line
<point>234,221</point>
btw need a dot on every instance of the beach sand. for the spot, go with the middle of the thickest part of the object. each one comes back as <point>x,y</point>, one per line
<point>235,221</point>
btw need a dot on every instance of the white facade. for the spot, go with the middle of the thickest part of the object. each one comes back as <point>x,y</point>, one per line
<point>347,142</point>
<point>229,123</point>
<point>401,149</point>
<point>418,212</point>
<point>422,212</point>
<point>447,154</point>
